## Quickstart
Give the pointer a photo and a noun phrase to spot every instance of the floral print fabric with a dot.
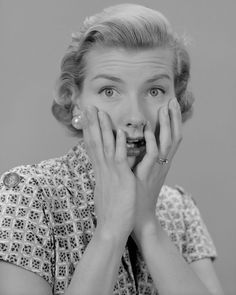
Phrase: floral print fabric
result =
(47, 219)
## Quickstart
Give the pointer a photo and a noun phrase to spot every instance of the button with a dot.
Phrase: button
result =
(11, 179)
(180, 189)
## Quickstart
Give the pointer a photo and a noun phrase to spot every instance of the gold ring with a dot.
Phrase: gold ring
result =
(162, 161)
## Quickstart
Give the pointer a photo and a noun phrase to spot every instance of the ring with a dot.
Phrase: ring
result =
(162, 161)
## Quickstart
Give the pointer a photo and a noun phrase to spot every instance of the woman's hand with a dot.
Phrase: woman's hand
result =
(115, 190)
(149, 173)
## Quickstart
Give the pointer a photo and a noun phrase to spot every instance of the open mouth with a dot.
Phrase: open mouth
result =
(135, 142)
(135, 146)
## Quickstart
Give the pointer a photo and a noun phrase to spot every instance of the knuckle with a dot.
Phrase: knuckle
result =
(154, 154)
(106, 149)
(108, 152)
(120, 159)
(168, 145)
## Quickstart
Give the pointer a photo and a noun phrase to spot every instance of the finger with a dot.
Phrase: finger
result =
(151, 155)
(92, 134)
(176, 123)
(165, 133)
(107, 134)
(121, 150)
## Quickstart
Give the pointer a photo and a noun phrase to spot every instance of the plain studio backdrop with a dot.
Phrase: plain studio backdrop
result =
(34, 36)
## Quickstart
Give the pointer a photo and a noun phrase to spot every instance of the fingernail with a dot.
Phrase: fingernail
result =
(148, 125)
(119, 132)
(100, 114)
(89, 109)
(85, 112)
(174, 103)
(165, 110)
(102, 119)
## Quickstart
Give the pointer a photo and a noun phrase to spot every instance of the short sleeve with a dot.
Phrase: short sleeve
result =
(25, 233)
(198, 242)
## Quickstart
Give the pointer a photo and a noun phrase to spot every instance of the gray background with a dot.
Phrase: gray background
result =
(34, 36)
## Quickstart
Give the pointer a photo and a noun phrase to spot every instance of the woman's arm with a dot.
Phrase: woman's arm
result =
(97, 271)
(170, 272)
(15, 280)
(114, 196)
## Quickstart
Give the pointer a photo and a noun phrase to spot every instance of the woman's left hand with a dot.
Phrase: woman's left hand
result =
(151, 174)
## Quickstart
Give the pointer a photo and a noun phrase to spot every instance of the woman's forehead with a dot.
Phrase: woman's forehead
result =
(103, 60)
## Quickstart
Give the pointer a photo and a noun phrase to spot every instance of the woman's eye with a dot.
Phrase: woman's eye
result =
(155, 91)
(108, 91)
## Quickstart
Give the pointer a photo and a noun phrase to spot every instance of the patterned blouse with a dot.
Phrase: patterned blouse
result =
(47, 219)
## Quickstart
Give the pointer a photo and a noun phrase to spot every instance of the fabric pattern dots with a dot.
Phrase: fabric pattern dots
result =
(47, 219)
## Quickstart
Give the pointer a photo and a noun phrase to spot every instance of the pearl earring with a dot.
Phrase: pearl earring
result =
(77, 119)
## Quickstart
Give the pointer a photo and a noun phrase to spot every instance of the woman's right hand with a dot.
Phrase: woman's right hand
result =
(115, 189)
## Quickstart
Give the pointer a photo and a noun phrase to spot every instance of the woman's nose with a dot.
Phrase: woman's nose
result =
(135, 123)
(135, 117)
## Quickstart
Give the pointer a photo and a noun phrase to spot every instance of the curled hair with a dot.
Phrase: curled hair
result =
(127, 26)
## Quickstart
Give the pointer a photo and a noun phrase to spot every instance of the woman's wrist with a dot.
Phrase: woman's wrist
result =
(147, 228)
(105, 235)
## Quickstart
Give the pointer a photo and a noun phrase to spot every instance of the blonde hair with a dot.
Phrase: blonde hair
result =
(129, 26)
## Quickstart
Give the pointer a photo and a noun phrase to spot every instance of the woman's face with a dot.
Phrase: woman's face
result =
(131, 86)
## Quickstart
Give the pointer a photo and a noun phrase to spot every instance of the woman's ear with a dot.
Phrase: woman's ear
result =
(75, 95)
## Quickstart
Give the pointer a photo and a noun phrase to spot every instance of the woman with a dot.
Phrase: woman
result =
(100, 220)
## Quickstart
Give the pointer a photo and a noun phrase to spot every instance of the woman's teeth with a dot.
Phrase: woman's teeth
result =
(135, 142)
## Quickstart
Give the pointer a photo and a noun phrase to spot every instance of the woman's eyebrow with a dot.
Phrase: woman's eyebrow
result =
(108, 77)
(158, 77)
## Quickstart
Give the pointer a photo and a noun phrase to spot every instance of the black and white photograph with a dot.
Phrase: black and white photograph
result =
(117, 150)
